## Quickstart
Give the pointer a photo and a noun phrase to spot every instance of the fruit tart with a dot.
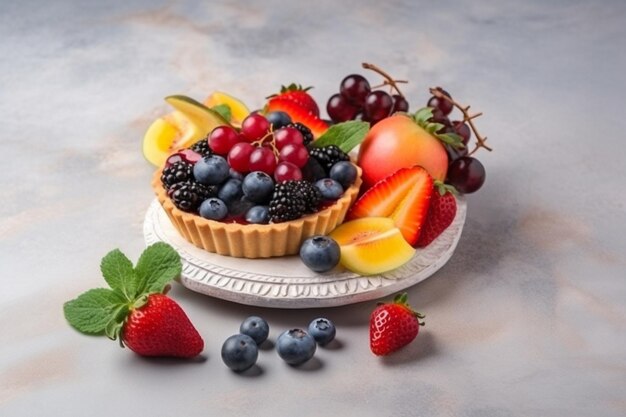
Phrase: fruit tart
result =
(258, 191)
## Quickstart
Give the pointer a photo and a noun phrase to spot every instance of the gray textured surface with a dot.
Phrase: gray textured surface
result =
(529, 316)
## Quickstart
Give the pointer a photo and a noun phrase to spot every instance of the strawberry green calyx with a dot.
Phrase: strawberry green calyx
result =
(290, 88)
(403, 300)
(423, 116)
(104, 311)
(443, 188)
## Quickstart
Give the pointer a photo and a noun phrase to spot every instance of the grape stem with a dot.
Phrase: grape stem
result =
(388, 78)
(271, 142)
(467, 118)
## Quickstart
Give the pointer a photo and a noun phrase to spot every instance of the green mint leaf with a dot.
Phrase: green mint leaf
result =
(118, 272)
(346, 135)
(158, 265)
(422, 115)
(93, 310)
(224, 111)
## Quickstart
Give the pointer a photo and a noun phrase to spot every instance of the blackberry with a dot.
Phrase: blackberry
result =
(328, 156)
(188, 196)
(178, 172)
(293, 199)
(202, 147)
(306, 132)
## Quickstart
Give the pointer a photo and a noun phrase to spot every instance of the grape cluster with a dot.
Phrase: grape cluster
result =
(465, 173)
(261, 146)
(357, 99)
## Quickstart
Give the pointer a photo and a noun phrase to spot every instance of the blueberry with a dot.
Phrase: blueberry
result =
(240, 207)
(211, 170)
(239, 352)
(235, 174)
(230, 191)
(256, 328)
(344, 173)
(258, 215)
(258, 187)
(278, 119)
(320, 253)
(329, 188)
(322, 330)
(213, 209)
(295, 346)
(313, 170)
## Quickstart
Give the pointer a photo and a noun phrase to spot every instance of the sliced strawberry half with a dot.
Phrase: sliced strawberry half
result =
(403, 196)
(441, 213)
(300, 96)
(298, 114)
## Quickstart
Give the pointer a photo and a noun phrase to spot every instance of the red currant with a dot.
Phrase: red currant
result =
(296, 154)
(288, 136)
(262, 159)
(239, 156)
(286, 171)
(254, 127)
(222, 139)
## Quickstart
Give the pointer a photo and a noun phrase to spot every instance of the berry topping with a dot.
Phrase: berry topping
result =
(293, 199)
(305, 131)
(258, 215)
(211, 170)
(189, 195)
(328, 156)
(222, 139)
(202, 147)
(213, 209)
(344, 173)
(278, 119)
(329, 188)
(175, 173)
(258, 187)
(254, 127)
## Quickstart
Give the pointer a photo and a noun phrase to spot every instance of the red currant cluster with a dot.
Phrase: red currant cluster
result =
(257, 147)
(465, 173)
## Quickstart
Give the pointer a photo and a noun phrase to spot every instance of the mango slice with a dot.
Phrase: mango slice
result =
(238, 109)
(372, 245)
(190, 122)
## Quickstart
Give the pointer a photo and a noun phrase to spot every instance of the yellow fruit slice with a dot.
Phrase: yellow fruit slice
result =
(179, 129)
(372, 245)
(238, 110)
(361, 229)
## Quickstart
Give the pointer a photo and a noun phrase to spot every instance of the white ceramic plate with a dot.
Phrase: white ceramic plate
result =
(285, 282)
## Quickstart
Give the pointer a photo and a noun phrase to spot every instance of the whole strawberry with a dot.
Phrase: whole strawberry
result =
(135, 309)
(393, 326)
(441, 213)
(298, 95)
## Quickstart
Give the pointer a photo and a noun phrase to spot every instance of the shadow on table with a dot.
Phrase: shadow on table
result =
(423, 347)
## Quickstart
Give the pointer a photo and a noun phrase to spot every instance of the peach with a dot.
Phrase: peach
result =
(372, 245)
(399, 142)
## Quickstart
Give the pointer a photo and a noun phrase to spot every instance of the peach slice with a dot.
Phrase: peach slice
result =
(372, 245)
(189, 123)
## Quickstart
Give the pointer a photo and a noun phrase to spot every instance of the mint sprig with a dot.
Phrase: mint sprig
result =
(104, 310)
(224, 111)
(423, 116)
(346, 135)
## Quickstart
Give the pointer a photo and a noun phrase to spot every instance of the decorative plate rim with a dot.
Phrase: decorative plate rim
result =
(215, 275)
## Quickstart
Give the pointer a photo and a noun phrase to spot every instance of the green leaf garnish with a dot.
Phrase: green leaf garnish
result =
(118, 272)
(104, 310)
(92, 311)
(422, 117)
(224, 111)
(346, 135)
(158, 265)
